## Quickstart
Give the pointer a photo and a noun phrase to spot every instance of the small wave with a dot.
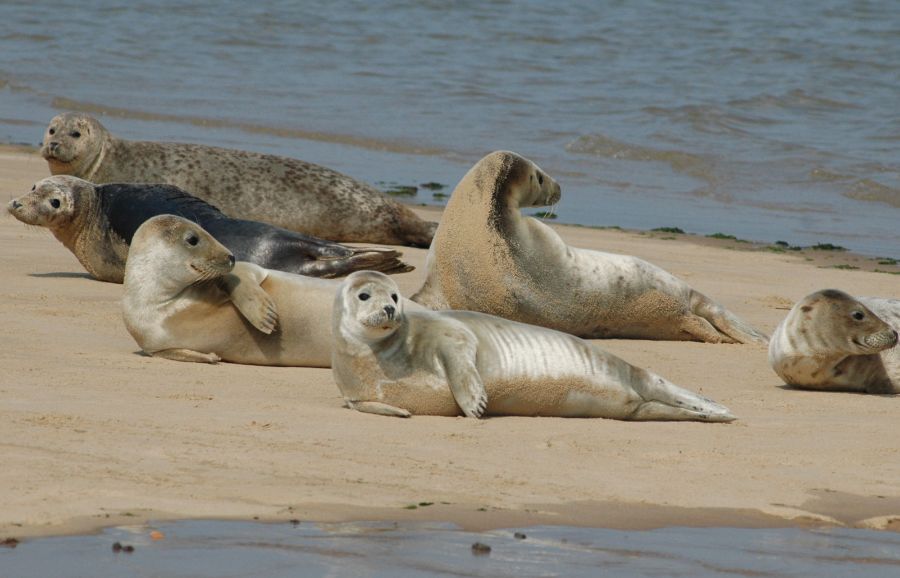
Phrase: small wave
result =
(795, 99)
(603, 146)
(870, 190)
(711, 119)
(252, 128)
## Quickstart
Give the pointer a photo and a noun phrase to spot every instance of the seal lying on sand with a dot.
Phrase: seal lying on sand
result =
(97, 223)
(392, 362)
(831, 341)
(287, 192)
(186, 299)
(487, 257)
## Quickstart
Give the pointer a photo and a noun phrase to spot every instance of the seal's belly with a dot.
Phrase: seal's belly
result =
(421, 393)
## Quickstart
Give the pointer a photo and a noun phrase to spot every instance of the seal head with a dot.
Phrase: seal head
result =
(371, 303)
(74, 144)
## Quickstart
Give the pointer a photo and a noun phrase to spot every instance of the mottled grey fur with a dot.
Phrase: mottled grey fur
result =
(287, 192)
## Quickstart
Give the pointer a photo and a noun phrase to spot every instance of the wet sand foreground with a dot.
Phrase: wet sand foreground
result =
(94, 434)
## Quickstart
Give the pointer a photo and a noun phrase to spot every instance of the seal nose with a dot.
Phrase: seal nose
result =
(390, 310)
(14, 204)
(231, 260)
(53, 145)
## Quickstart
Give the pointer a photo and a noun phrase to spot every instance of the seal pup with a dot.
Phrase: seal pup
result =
(391, 361)
(486, 256)
(287, 192)
(97, 223)
(831, 341)
(187, 299)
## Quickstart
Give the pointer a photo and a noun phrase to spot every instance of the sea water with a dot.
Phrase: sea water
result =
(768, 120)
(210, 549)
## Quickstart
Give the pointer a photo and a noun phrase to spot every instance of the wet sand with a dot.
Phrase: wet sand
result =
(93, 434)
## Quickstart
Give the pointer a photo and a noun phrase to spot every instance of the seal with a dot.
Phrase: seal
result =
(187, 299)
(832, 341)
(97, 223)
(486, 256)
(392, 361)
(287, 192)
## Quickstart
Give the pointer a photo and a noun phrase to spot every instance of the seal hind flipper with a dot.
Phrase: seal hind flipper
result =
(725, 321)
(663, 400)
(369, 259)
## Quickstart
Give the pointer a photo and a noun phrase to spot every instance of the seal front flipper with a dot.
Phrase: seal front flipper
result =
(377, 408)
(243, 287)
(187, 355)
(457, 356)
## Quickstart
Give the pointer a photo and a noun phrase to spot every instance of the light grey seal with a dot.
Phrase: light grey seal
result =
(831, 341)
(391, 361)
(186, 299)
(287, 192)
(486, 256)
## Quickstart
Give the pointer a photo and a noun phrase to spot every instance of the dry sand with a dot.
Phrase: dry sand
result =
(92, 433)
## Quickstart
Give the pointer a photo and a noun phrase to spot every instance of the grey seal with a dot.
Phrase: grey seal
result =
(287, 192)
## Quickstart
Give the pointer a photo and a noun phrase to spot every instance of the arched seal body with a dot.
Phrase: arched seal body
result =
(831, 341)
(487, 257)
(392, 361)
(97, 223)
(287, 192)
(186, 299)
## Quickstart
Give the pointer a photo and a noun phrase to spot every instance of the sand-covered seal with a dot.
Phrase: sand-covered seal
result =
(186, 299)
(287, 192)
(392, 361)
(97, 223)
(832, 341)
(486, 256)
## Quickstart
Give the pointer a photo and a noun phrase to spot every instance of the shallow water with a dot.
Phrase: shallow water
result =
(200, 549)
(769, 120)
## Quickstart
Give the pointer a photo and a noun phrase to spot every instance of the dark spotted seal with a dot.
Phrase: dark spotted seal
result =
(290, 193)
(97, 224)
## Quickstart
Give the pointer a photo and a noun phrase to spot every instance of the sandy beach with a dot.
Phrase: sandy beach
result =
(92, 433)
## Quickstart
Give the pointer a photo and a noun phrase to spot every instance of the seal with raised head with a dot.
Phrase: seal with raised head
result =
(392, 361)
(287, 192)
(187, 299)
(832, 341)
(486, 256)
(97, 223)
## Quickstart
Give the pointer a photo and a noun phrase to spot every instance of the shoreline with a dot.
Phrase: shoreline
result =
(90, 428)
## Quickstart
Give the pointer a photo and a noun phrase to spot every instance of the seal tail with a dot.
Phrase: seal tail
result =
(362, 258)
(725, 321)
(663, 400)
(420, 234)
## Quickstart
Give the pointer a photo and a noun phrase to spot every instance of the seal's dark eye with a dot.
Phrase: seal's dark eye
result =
(33, 187)
(363, 296)
(193, 240)
(859, 315)
(52, 131)
(54, 203)
(75, 134)
(394, 297)
(540, 179)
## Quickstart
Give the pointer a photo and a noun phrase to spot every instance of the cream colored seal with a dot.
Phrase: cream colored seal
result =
(486, 256)
(392, 361)
(186, 299)
(831, 341)
(287, 192)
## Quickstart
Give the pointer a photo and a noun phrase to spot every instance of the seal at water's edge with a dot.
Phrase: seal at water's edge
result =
(831, 341)
(486, 256)
(290, 193)
(97, 223)
(391, 361)
(186, 299)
